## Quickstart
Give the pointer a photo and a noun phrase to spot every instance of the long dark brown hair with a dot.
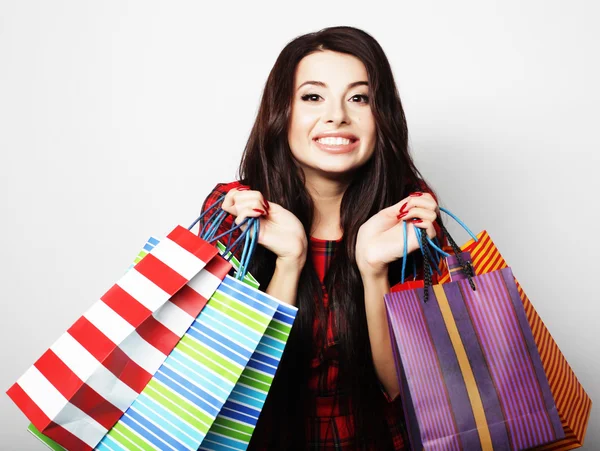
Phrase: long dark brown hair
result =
(389, 176)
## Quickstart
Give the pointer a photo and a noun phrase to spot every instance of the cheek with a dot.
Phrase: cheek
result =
(370, 135)
(301, 128)
(370, 126)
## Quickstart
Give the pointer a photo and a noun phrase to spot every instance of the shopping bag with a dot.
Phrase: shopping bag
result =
(572, 402)
(236, 421)
(80, 386)
(150, 243)
(45, 440)
(181, 402)
(470, 372)
(218, 267)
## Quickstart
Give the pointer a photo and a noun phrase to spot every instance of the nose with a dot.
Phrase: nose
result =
(336, 112)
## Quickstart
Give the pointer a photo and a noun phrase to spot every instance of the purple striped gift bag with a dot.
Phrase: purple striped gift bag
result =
(471, 375)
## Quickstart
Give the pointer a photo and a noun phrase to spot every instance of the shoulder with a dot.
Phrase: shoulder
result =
(226, 187)
(218, 191)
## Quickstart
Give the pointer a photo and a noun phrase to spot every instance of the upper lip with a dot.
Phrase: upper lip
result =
(336, 134)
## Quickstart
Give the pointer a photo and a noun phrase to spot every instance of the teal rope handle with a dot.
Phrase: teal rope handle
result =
(231, 247)
(214, 225)
(435, 247)
(211, 227)
(428, 253)
(405, 255)
(249, 246)
(425, 250)
(457, 219)
(244, 256)
(199, 218)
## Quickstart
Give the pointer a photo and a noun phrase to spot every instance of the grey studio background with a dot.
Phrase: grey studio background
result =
(117, 118)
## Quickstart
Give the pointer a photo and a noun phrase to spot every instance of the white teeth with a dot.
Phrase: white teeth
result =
(334, 141)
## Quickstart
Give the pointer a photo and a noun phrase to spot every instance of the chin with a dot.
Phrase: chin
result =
(335, 172)
(330, 168)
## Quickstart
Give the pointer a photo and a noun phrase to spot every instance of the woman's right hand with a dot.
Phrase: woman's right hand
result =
(280, 230)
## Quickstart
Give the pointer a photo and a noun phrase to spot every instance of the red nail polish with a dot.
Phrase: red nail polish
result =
(258, 211)
(268, 207)
(417, 221)
(243, 188)
(401, 215)
(403, 208)
(417, 194)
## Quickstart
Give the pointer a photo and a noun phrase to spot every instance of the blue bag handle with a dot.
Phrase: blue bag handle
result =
(404, 257)
(466, 266)
(249, 249)
(425, 243)
(212, 225)
(214, 222)
(199, 218)
(424, 250)
(457, 219)
(250, 243)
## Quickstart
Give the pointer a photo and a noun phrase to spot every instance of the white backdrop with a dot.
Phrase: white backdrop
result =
(117, 118)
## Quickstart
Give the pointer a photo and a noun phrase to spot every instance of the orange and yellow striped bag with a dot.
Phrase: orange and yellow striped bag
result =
(572, 402)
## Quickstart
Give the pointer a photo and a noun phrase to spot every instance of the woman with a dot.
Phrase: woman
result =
(328, 172)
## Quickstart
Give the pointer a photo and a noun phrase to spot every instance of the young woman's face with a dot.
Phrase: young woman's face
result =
(331, 98)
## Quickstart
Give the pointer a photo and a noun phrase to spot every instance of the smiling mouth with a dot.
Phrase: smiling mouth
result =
(337, 146)
(335, 141)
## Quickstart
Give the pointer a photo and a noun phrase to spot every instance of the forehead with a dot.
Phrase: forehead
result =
(333, 68)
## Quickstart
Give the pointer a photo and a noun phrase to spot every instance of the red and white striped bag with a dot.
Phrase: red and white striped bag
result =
(79, 388)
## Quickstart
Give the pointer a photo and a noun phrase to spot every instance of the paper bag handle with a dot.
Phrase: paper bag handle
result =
(424, 241)
(212, 225)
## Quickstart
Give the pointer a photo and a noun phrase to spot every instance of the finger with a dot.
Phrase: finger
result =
(250, 209)
(427, 225)
(247, 214)
(252, 198)
(418, 213)
(420, 194)
(238, 198)
(229, 202)
(423, 201)
(255, 205)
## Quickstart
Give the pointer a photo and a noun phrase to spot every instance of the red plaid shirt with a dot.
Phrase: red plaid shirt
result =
(327, 427)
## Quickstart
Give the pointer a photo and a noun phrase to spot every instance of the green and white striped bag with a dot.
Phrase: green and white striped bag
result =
(182, 400)
(211, 388)
(237, 419)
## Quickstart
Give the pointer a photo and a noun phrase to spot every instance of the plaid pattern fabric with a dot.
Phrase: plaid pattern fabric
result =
(331, 421)
(330, 427)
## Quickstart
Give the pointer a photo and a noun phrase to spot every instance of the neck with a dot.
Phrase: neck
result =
(327, 198)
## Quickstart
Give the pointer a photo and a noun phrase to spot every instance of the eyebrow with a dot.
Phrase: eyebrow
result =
(324, 85)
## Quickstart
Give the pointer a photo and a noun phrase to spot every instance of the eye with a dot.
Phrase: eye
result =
(363, 96)
(305, 97)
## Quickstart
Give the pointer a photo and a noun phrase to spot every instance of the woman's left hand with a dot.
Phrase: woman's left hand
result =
(380, 240)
